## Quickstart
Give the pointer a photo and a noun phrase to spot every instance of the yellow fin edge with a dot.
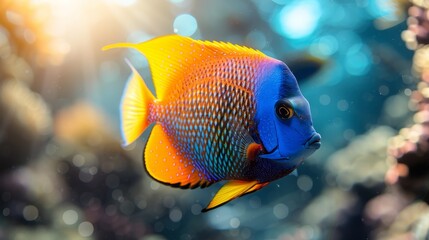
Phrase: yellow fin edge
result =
(232, 190)
(119, 45)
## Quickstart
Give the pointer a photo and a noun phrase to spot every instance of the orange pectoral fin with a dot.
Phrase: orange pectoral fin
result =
(253, 150)
(167, 165)
(232, 190)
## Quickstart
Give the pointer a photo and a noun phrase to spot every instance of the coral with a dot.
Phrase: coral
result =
(410, 223)
(342, 165)
(25, 123)
(89, 132)
(409, 150)
(355, 175)
(381, 211)
(29, 27)
(98, 172)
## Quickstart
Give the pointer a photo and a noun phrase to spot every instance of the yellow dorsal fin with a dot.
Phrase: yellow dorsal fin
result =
(226, 48)
(232, 190)
(172, 57)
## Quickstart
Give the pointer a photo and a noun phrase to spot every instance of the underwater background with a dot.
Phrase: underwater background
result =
(363, 65)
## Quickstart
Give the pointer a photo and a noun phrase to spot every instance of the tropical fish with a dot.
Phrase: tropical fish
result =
(220, 112)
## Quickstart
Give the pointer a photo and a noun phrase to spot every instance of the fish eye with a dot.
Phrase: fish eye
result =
(284, 109)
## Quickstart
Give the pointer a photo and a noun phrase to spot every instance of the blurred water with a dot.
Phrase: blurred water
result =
(64, 174)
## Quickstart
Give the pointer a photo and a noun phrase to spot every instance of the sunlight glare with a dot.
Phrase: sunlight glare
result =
(300, 19)
(124, 3)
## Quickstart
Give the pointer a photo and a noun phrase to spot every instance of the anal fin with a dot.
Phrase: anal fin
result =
(256, 188)
(232, 190)
(167, 165)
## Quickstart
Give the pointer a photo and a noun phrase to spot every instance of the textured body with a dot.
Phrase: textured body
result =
(221, 112)
(210, 107)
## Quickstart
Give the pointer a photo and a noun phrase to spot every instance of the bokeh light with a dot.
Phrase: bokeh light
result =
(382, 9)
(357, 60)
(185, 25)
(70, 217)
(30, 213)
(281, 211)
(298, 19)
(124, 3)
(324, 46)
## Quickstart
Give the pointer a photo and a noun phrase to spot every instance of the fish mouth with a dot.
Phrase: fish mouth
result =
(314, 142)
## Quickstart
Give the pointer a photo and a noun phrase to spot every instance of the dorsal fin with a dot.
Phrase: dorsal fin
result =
(226, 48)
(172, 57)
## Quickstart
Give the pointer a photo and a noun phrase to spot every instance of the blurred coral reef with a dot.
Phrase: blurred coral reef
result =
(27, 26)
(388, 197)
(24, 40)
(409, 150)
(340, 210)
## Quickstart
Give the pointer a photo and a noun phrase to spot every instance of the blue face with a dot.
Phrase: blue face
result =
(283, 118)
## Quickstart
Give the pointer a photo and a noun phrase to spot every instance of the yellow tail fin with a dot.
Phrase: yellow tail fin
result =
(134, 107)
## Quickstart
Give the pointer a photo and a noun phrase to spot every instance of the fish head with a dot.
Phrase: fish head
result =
(283, 118)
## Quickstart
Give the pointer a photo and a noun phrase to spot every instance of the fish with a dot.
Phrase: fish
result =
(219, 112)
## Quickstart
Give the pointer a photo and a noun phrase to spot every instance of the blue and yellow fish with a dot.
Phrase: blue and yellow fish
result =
(220, 112)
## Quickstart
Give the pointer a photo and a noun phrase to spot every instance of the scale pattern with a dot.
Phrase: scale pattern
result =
(209, 116)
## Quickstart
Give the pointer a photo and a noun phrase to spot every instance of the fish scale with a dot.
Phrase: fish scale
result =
(225, 99)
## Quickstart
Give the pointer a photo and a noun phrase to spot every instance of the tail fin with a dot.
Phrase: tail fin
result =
(134, 107)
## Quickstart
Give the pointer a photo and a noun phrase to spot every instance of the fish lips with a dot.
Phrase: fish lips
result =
(314, 142)
(311, 145)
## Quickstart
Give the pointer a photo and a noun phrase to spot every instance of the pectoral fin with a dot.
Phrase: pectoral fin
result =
(232, 190)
